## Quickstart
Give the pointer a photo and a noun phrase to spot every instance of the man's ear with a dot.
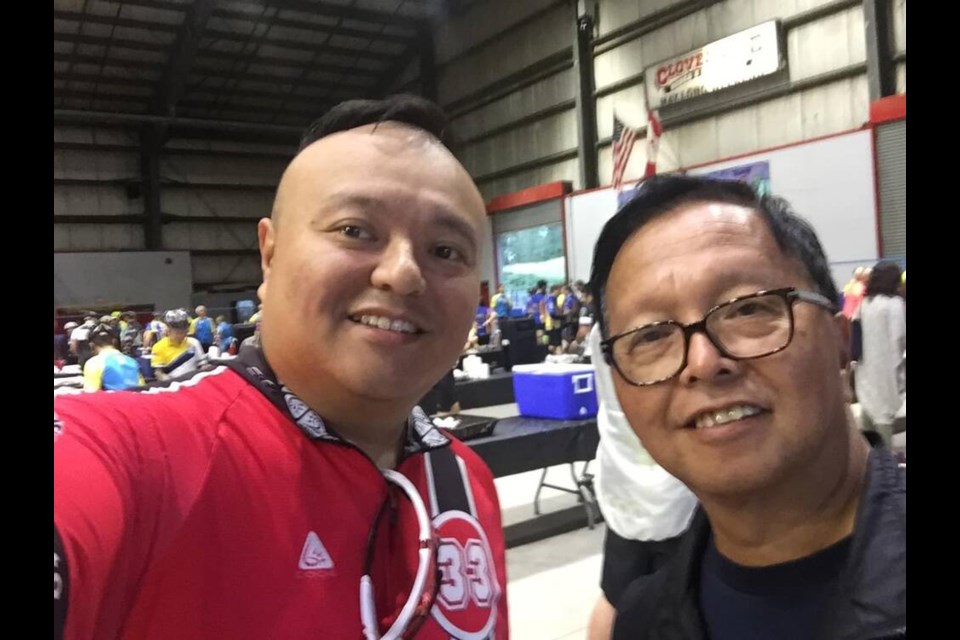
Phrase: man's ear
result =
(266, 236)
(843, 330)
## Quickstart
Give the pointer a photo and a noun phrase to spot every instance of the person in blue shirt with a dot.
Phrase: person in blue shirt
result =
(224, 334)
(535, 303)
(202, 328)
(483, 321)
(109, 369)
(501, 303)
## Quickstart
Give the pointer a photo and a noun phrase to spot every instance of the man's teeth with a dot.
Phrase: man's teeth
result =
(723, 416)
(387, 324)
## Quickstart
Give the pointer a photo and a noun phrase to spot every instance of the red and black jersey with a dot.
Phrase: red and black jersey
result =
(212, 509)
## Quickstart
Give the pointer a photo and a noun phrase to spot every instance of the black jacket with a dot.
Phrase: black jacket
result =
(665, 606)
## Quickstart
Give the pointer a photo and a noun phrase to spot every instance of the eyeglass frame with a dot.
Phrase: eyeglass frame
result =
(789, 295)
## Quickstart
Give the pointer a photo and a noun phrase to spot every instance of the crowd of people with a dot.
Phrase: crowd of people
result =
(109, 349)
(562, 315)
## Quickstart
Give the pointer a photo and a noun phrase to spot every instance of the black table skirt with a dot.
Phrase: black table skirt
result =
(521, 444)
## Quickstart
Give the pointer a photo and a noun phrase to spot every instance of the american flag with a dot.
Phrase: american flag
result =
(654, 130)
(623, 139)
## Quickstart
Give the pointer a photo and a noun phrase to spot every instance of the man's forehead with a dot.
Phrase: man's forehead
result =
(698, 225)
(692, 234)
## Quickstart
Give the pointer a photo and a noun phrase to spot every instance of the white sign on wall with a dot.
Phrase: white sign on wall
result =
(746, 55)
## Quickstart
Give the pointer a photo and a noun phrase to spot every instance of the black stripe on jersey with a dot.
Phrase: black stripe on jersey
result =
(449, 483)
(61, 586)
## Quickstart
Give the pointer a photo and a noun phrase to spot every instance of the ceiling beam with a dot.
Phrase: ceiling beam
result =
(270, 133)
(96, 78)
(136, 45)
(142, 65)
(347, 13)
(97, 95)
(174, 151)
(167, 184)
(302, 46)
(207, 72)
(77, 16)
(256, 58)
(165, 5)
(230, 12)
(424, 43)
(171, 87)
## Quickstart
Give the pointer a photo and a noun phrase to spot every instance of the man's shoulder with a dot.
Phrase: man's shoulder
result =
(201, 397)
(474, 463)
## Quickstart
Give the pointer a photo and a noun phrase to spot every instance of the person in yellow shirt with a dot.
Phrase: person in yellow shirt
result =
(176, 354)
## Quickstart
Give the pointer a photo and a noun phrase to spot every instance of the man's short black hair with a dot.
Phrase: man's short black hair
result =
(408, 109)
(662, 193)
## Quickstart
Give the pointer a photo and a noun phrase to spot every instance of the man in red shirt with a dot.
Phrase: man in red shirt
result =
(296, 491)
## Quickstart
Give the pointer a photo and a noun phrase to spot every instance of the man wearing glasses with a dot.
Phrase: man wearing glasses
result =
(718, 317)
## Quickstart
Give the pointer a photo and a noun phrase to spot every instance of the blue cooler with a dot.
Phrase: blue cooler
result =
(558, 391)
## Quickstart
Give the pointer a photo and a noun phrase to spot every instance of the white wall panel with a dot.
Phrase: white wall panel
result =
(161, 278)
(615, 14)
(630, 105)
(731, 16)
(830, 182)
(226, 169)
(95, 165)
(830, 43)
(737, 132)
(543, 94)
(835, 107)
(84, 200)
(548, 34)
(779, 121)
(566, 170)
(544, 137)
(208, 202)
(900, 25)
(482, 20)
(122, 236)
(615, 65)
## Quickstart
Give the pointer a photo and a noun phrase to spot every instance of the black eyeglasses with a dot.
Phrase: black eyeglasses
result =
(747, 327)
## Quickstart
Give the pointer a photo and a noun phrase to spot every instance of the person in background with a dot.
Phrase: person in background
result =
(131, 335)
(109, 369)
(154, 331)
(61, 345)
(553, 318)
(484, 321)
(80, 339)
(535, 304)
(645, 508)
(224, 336)
(501, 303)
(176, 354)
(881, 374)
(570, 313)
(202, 328)
(854, 291)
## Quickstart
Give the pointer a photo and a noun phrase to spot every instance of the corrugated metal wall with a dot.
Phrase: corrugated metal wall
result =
(512, 96)
(892, 187)
(505, 74)
(212, 193)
